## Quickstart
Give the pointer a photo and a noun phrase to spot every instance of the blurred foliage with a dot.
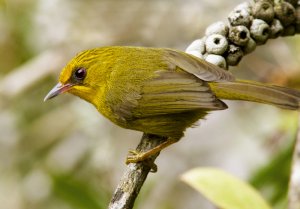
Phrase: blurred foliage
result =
(79, 194)
(63, 154)
(223, 189)
(16, 27)
(273, 178)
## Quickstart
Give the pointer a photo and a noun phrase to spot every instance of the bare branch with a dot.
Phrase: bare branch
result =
(135, 175)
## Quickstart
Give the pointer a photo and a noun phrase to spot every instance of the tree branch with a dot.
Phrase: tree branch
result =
(135, 175)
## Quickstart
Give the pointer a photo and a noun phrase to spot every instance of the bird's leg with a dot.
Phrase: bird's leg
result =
(135, 156)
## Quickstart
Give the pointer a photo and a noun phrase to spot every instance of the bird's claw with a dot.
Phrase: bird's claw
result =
(135, 157)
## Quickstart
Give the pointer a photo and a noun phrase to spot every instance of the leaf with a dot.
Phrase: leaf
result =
(224, 190)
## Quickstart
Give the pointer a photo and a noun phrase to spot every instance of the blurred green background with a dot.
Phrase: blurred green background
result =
(62, 154)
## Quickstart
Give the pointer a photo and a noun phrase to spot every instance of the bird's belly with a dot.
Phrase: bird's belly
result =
(170, 125)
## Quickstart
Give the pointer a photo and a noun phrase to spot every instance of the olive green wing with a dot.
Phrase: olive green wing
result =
(169, 92)
(196, 66)
(178, 87)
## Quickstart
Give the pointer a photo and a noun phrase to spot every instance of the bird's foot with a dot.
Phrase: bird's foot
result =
(134, 157)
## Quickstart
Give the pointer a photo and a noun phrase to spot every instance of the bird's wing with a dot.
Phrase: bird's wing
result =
(198, 67)
(169, 92)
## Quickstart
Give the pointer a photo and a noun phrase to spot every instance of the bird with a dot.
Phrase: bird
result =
(159, 91)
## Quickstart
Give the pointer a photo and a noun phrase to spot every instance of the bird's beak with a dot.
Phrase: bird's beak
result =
(57, 90)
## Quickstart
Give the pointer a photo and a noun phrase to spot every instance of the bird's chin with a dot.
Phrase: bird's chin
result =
(83, 92)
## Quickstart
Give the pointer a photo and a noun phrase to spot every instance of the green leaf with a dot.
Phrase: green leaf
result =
(224, 190)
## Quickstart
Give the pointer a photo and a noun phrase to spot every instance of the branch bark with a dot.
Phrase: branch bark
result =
(135, 175)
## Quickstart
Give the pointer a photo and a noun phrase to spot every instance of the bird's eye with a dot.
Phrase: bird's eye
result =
(80, 73)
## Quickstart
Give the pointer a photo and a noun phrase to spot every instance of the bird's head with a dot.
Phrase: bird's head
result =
(81, 77)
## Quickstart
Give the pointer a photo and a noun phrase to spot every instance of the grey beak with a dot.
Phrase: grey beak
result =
(57, 90)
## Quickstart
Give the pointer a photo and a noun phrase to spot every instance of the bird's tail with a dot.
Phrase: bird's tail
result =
(282, 97)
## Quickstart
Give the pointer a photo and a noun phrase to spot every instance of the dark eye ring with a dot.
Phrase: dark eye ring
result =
(80, 73)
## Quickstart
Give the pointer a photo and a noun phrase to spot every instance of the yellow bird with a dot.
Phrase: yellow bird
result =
(159, 91)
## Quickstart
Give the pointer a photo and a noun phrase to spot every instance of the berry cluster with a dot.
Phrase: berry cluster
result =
(249, 24)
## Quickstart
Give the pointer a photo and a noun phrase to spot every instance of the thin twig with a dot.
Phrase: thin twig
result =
(135, 175)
